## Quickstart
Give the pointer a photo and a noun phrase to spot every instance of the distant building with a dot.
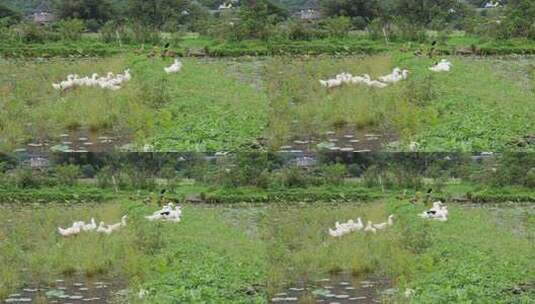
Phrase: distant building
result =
(43, 17)
(43, 13)
(308, 14)
(492, 4)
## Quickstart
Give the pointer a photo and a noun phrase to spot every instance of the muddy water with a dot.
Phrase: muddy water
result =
(339, 288)
(82, 140)
(347, 139)
(513, 216)
(70, 290)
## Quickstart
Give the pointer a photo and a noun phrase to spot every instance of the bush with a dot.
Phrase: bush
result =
(338, 27)
(70, 29)
(155, 91)
(26, 178)
(298, 30)
(334, 174)
(92, 25)
(293, 176)
(136, 178)
(30, 32)
(68, 174)
(530, 178)
(105, 177)
(88, 171)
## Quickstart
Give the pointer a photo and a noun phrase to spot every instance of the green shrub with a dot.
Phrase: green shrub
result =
(70, 29)
(530, 178)
(334, 174)
(26, 178)
(338, 27)
(67, 174)
(155, 91)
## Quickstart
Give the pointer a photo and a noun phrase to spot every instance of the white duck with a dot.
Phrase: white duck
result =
(370, 227)
(103, 228)
(393, 77)
(174, 215)
(382, 226)
(355, 226)
(117, 226)
(359, 79)
(174, 68)
(335, 233)
(91, 226)
(442, 66)
(390, 220)
(73, 230)
(127, 75)
(375, 83)
(438, 212)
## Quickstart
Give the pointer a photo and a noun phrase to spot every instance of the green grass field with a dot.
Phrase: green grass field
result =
(202, 108)
(205, 258)
(483, 104)
(248, 254)
(446, 262)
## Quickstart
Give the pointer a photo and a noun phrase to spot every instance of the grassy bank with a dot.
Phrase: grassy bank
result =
(443, 262)
(213, 194)
(214, 105)
(190, 261)
(455, 111)
(195, 45)
(202, 108)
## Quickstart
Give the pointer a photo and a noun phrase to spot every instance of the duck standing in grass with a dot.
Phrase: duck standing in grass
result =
(370, 227)
(71, 231)
(174, 68)
(91, 226)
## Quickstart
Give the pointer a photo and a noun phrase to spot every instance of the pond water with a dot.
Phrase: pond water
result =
(339, 288)
(347, 139)
(80, 140)
(74, 290)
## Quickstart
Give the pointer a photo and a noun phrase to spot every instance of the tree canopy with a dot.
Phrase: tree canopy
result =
(100, 10)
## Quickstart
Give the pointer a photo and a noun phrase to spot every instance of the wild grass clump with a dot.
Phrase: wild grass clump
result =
(301, 107)
(447, 260)
(191, 261)
(208, 108)
(457, 111)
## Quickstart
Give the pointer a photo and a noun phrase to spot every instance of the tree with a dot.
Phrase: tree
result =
(425, 12)
(257, 15)
(338, 26)
(367, 9)
(520, 19)
(156, 13)
(9, 14)
(100, 10)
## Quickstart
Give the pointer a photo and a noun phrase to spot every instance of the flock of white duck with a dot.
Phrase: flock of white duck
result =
(114, 82)
(438, 212)
(174, 68)
(109, 82)
(383, 81)
(443, 66)
(80, 226)
(168, 213)
(351, 226)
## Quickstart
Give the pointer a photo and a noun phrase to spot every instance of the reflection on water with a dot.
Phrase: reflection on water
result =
(75, 290)
(81, 140)
(347, 139)
(336, 288)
